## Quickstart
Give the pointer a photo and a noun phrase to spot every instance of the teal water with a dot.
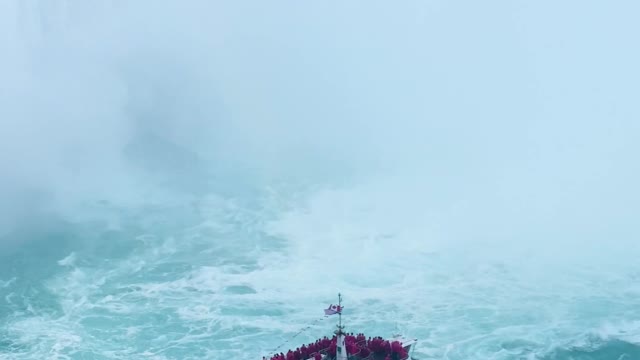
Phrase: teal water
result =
(217, 278)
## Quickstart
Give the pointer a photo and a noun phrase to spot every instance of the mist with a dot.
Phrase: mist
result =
(499, 122)
(197, 179)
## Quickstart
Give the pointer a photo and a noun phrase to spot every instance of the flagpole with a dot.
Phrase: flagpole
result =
(341, 349)
(340, 311)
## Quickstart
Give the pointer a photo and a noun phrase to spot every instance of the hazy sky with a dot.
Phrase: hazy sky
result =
(522, 114)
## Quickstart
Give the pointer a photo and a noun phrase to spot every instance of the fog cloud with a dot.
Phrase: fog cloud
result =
(513, 119)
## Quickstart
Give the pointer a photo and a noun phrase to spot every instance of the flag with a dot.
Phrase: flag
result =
(333, 309)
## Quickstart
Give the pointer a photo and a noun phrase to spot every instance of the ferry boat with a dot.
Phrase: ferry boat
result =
(349, 346)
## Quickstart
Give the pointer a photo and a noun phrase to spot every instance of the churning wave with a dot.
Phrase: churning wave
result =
(233, 278)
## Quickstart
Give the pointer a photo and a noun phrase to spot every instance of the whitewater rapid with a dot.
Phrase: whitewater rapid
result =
(235, 278)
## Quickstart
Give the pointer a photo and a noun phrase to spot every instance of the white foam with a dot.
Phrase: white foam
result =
(397, 274)
(69, 260)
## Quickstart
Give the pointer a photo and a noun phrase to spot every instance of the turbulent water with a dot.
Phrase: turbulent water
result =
(199, 180)
(218, 278)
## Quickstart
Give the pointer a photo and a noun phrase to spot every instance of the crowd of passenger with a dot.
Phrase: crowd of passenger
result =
(357, 346)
